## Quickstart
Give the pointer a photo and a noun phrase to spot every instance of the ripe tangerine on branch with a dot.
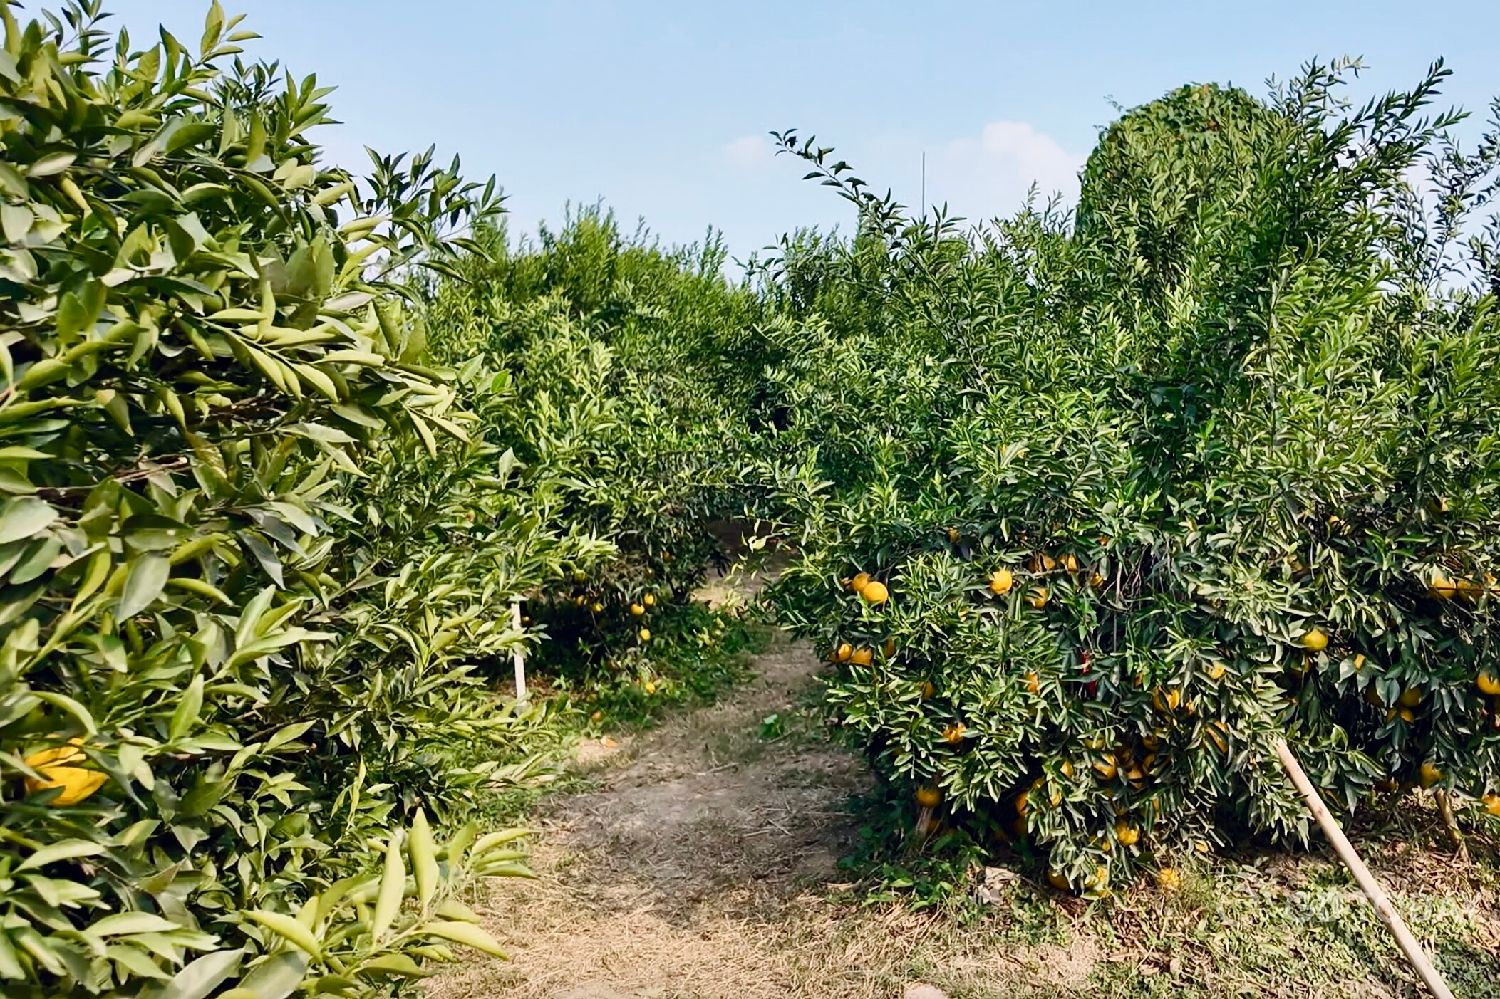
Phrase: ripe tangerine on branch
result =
(875, 593)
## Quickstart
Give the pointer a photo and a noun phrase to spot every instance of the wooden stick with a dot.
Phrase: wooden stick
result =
(1387, 912)
(517, 657)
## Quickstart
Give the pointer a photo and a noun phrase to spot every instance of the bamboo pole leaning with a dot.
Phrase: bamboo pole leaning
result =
(1409, 944)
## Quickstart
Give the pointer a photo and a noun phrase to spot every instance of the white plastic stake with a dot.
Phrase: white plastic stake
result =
(517, 657)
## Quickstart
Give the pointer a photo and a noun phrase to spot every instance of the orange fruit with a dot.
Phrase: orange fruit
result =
(1410, 698)
(1106, 768)
(954, 733)
(645, 634)
(953, 535)
(1428, 774)
(862, 656)
(1038, 597)
(928, 690)
(76, 783)
(843, 653)
(929, 796)
(1001, 580)
(859, 582)
(649, 600)
(1442, 587)
(1070, 563)
(1217, 670)
(1315, 640)
(1488, 683)
(875, 593)
(889, 648)
(1127, 834)
(597, 607)
(1033, 683)
(637, 610)
(1359, 662)
(1491, 804)
(650, 686)
(1407, 715)
(1096, 580)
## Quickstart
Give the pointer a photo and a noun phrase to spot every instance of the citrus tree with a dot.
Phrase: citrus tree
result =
(627, 421)
(233, 661)
(1095, 513)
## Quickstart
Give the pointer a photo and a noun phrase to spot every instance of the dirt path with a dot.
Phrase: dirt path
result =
(683, 872)
(701, 864)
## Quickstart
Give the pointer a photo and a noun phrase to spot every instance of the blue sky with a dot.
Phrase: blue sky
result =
(661, 109)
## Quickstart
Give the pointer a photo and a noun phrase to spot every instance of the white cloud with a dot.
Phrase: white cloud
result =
(748, 152)
(989, 175)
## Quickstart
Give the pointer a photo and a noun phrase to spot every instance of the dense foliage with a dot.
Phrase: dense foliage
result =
(1140, 495)
(263, 520)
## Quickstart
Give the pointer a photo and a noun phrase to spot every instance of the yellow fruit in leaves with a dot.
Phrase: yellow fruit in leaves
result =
(1096, 580)
(650, 686)
(1488, 683)
(1217, 670)
(1038, 597)
(1315, 640)
(954, 733)
(1106, 768)
(929, 796)
(1428, 774)
(1407, 715)
(875, 593)
(859, 582)
(953, 535)
(1442, 587)
(1042, 563)
(1001, 582)
(649, 600)
(1491, 804)
(843, 653)
(1127, 834)
(928, 690)
(1033, 683)
(76, 783)
(889, 648)
(597, 607)
(1218, 734)
(1359, 662)
(862, 656)
(1070, 563)
(1169, 699)
(1167, 879)
(1066, 768)
(637, 610)
(1410, 698)
(645, 634)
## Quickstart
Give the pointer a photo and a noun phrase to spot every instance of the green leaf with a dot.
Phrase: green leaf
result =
(423, 858)
(25, 517)
(68, 849)
(127, 923)
(287, 927)
(467, 934)
(200, 977)
(392, 888)
(143, 584)
(186, 714)
(276, 976)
